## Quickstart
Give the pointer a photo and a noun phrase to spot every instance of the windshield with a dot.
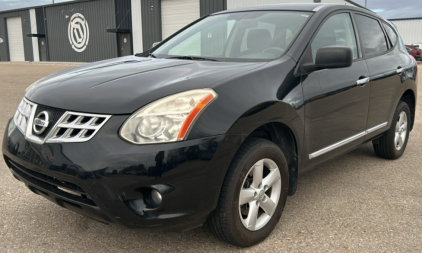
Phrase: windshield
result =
(241, 36)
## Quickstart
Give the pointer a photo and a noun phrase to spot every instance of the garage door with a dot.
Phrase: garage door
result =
(15, 39)
(176, 14)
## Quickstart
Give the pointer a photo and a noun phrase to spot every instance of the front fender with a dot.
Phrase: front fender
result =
(272, 112)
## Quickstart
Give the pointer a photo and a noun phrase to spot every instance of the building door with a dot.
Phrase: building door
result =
(15, 39)
(175, 14)
(125, 45)
(42, 48)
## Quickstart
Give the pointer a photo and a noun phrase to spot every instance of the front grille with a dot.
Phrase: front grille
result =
(55, 115)
(50, 184)
(63, 126)
(77, 127)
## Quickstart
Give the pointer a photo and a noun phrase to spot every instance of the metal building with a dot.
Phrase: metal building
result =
(78, 31)
(410, 29)
(92, 30)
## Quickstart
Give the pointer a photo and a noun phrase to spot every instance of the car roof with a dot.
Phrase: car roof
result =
(281, 6)
(314, 7)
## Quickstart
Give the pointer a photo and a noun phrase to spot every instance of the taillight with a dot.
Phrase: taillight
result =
(416, 52)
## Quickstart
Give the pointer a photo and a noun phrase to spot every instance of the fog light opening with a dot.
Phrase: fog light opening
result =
(153, 199)
(156, 197)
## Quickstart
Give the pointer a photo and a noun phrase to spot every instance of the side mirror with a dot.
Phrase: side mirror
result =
(156, 43)
(333, 57)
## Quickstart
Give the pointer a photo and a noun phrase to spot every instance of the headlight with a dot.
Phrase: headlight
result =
(168, 119)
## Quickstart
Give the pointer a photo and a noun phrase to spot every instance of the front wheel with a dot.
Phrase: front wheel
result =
(253, 194)
(393, 143)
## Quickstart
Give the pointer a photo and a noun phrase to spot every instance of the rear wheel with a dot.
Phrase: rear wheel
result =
(393, 143)
(253, 194)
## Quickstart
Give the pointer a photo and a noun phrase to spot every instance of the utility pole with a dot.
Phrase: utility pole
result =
(365, 2)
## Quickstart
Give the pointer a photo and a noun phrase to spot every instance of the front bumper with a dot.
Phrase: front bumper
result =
(102, 177)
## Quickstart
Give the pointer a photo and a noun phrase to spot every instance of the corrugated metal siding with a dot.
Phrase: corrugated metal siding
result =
(123, 14)
(151, 23)
(176, 14)
(26, 28)
(39, 13)
(137, 26)
(210, 6)
(100, 16)
(410, 30)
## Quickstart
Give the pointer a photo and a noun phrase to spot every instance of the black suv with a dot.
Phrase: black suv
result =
(216, 122)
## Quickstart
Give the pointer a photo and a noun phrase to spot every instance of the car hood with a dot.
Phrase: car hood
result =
(123, 85)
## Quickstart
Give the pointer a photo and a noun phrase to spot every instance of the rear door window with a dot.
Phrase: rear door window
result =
(373, 37)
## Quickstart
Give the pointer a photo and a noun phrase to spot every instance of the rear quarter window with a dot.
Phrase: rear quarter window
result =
(391, 34)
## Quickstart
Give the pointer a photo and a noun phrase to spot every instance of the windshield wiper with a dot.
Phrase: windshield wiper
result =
(195, 58)
(148, 55)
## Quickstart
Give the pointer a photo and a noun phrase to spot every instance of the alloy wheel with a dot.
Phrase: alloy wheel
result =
(259, 194)
(401, 131)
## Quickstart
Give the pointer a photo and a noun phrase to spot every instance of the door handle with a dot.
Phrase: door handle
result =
(399, 70)
(363, 81)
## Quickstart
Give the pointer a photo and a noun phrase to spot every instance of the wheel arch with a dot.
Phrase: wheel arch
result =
(410, 99)
(283, 136)
(285, 130)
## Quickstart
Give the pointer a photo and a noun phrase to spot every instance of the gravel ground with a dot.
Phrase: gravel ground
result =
(355, 203)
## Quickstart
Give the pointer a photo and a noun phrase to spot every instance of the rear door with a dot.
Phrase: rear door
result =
(385, 67)
(336, 103)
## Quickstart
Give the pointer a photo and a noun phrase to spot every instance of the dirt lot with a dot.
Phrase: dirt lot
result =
(358, 203)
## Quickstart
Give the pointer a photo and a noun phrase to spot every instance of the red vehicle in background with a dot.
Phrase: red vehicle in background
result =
(414, 51)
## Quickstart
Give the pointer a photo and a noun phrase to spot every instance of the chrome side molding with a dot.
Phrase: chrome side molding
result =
(375, 128)
(345, 141)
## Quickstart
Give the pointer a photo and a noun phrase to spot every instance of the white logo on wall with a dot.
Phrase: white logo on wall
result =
(78, 32)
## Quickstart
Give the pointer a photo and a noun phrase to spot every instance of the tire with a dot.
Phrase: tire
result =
(388, 146)
(228, 219)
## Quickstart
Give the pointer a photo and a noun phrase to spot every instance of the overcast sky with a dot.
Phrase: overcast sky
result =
(394, 8)
(16, 4)
(385, 8)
